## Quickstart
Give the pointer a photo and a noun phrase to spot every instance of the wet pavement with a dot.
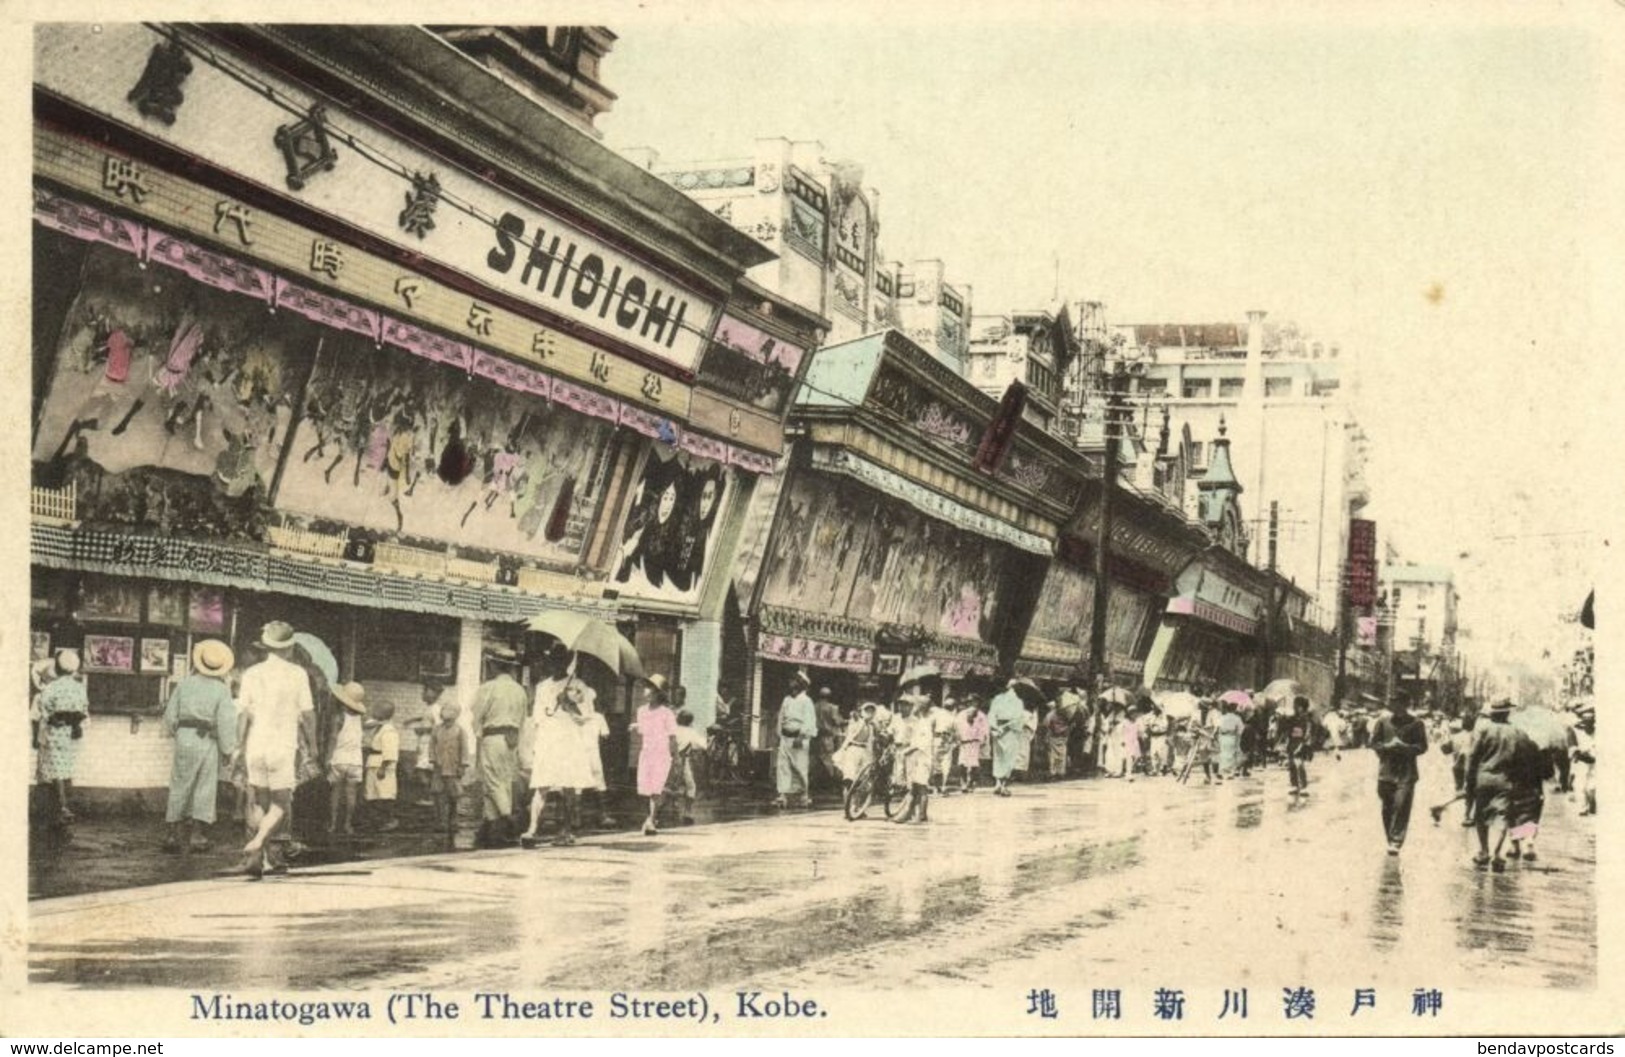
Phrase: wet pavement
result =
(1115, 882)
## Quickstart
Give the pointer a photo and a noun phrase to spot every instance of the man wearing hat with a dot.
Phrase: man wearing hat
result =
(202, 719)
(499, 712)
(1585, 754)
(345, 764)
(798, 724)
(276, 728)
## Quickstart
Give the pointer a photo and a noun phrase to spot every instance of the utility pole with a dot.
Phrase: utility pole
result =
(1116, 380)
(1269, 603)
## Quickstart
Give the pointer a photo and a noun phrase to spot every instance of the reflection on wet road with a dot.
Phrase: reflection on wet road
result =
(1110, 881)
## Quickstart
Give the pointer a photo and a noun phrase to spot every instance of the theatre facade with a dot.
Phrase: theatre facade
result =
(347, 331)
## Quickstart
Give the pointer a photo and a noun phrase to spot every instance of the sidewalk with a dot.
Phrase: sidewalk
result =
(117, 849)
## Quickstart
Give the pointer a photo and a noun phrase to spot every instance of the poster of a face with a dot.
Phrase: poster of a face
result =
(671, 528)
(178, 394)
(403, 445)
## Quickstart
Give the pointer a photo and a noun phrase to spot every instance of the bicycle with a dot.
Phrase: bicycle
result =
(875, 779)
(725, 751)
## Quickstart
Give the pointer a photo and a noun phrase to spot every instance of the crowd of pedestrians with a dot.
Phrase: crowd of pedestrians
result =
(258, 735)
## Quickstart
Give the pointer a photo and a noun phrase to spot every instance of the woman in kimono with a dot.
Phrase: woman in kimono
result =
(1029, 731)
(972, 734)
(1128, 733)
(63, 707)
(1229, 738)
(1007, 718)
(798, 725)
(1111, 740)
(202, 719)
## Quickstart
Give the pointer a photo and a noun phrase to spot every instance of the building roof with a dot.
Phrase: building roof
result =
(1418, 574)
(1198, 335)
(839, 375)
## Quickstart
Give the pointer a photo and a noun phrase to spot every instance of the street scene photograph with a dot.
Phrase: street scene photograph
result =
(1049, 521)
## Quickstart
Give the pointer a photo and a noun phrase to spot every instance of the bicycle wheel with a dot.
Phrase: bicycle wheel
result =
(897, 799)
(860, 795)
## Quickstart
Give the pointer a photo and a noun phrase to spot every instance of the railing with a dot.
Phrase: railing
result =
(303, 541)
(55, 504)
(410, 560)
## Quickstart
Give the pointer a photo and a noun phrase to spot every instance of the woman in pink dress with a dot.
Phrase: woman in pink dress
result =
(657, 726)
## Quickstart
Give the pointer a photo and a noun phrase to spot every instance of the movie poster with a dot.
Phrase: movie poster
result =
(820, 541)
(415, 448)
(169, 401)
(671, 530)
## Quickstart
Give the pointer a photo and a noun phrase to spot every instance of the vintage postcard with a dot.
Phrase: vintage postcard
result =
(1049, 519)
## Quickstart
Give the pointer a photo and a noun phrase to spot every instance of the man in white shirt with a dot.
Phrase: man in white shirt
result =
(277, 731)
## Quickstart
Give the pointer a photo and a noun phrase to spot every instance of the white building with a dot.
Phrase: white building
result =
(823, 223)
(1422, 602)
(1032, 347)
(1287, 402)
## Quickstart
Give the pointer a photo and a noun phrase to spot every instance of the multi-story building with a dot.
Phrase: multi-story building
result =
(1287, 402)
(1032, 347)
(823, 223)
(1420, 614)
(347, 330)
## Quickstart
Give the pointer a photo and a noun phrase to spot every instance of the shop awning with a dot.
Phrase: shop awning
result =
(204, 562)
(933, 504)
(1185, 605)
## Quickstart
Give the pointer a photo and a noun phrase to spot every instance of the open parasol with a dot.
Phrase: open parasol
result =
(580, 633)
(319, 655)
(1115, 695)
(1544, 727)
(919, 672)
(1240, 698)
(1177, 704)
(1028, 691)
(1281, 692)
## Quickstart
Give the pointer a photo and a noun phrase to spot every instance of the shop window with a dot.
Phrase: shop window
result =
(1197, 388)
(133, 637)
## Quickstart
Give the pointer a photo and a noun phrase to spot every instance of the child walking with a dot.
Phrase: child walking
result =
(383, 755)
(448, 751)
(344, 765)
(690, 747)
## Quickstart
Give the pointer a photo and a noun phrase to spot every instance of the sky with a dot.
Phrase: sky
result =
(1423, 190)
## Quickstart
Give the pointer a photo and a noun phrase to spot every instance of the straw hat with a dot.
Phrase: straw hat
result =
(352, 696)
(67, 661)
(277, 635)
(213, 657)
(801, 677)
(1502, 706)
(658, 683)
